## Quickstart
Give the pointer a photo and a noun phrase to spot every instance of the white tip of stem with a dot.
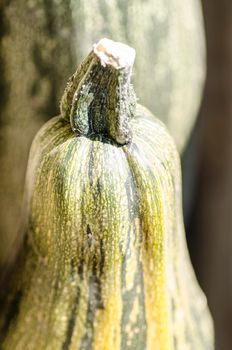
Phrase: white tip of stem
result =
(114, 53)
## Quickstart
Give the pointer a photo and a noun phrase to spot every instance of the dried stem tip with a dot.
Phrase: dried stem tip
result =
(113, 53)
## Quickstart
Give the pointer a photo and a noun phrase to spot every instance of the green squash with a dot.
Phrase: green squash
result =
(104, 264)
(37, 41)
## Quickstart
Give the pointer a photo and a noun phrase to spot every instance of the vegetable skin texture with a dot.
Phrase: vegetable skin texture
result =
(104, 263)
(37, 55)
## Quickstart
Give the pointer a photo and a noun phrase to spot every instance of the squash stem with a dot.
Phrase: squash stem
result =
(99, 98)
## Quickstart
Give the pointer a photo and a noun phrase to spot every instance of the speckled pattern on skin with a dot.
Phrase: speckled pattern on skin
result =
(105, 266)
(42, 41)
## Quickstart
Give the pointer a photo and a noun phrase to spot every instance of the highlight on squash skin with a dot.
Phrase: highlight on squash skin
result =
(105, 264)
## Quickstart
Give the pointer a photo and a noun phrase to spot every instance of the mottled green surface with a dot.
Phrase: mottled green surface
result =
(40, 41)
(33, 36)
(105, 263)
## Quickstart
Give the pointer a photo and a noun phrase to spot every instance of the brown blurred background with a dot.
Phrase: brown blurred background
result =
(208, 162)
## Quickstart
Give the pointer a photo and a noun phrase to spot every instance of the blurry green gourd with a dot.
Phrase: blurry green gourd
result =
(104, 264)
(168, 35)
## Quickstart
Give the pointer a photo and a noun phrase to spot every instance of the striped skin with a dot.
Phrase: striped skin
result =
(106, 264)
(40, 44)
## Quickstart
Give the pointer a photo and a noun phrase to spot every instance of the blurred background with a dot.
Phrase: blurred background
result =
(209, 153)
(41, 43)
